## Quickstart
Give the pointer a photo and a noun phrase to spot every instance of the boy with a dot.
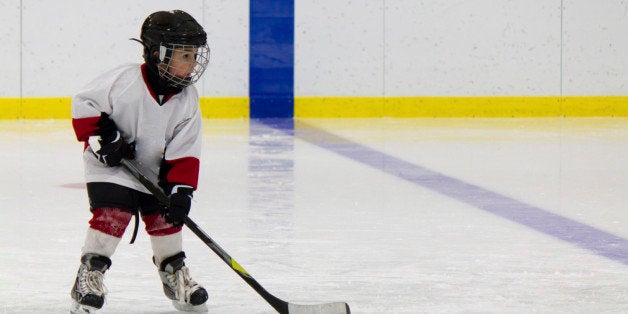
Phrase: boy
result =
(148, 113)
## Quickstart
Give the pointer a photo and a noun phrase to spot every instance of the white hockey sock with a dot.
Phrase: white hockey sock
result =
(100, 243)
(166, 246)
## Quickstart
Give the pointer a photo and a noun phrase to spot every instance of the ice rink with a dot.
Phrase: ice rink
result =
(389, 215)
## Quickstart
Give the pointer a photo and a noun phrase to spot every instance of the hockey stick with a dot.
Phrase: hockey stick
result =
(280, 305)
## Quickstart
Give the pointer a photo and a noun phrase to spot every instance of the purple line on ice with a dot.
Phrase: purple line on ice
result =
(571, 231)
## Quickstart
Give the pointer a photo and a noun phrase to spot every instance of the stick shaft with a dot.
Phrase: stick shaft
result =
(278, 304)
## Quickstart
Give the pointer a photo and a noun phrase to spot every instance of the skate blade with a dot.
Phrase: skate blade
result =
(201, 308)
(77, 308)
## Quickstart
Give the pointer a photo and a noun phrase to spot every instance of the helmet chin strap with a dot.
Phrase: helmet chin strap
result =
(159, 84)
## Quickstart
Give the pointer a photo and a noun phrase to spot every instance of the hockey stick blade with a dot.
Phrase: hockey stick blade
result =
(326, 308)
(279, 305)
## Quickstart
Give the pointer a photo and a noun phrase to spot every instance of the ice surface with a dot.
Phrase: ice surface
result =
(314, 220)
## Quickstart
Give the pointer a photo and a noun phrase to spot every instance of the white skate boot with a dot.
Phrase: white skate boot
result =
(185, 293)
(88, 293)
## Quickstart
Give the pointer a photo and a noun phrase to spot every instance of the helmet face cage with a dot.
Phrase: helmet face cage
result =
(180, 69)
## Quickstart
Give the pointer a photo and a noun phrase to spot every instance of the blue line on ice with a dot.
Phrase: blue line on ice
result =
(563, 228)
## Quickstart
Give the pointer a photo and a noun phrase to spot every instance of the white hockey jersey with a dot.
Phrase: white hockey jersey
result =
(163, 129)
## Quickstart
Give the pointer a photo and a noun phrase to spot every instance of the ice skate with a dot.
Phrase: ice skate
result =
(185, 293)
(88, 293)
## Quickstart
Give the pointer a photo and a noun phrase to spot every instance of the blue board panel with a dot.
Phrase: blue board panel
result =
(271, 55)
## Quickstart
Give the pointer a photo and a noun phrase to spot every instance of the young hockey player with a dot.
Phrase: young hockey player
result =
(147, 112)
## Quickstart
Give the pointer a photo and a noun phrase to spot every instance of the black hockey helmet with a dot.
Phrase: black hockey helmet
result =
(165, 31)
(171, 27)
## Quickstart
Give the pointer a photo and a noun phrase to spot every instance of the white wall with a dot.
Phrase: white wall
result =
(473, 48)
(9, 49)
(463, 47)
(228, 34)
(66, 43)
(342, 47)
(338, 47)
(596, 47)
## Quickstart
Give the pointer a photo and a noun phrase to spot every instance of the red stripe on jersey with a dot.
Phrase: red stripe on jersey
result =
(183, 171)
(150, 89)
(168, 97)
(156, 225)
(85, 127)
(111, 221)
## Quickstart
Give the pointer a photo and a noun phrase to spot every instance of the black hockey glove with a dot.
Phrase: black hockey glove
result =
(108, 144)
(180, 203)
(112, 150)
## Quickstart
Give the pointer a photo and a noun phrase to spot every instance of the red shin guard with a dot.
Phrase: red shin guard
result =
(109, 220)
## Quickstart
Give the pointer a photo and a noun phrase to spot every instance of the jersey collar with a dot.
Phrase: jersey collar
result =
(160, 94)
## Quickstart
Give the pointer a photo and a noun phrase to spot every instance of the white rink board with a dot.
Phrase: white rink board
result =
(341, 48)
